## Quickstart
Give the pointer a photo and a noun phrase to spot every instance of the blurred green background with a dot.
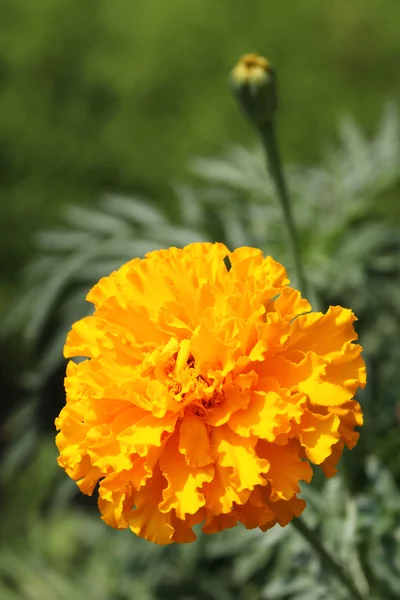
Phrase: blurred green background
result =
(101, 97)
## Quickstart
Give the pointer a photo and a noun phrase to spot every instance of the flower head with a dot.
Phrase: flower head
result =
(206, 393)
(253, 83)
(251, 68)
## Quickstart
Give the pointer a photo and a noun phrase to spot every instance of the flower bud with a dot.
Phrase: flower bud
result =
(254, 85)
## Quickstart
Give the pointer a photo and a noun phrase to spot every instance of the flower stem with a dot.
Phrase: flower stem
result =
(268, 138)
(330, 562)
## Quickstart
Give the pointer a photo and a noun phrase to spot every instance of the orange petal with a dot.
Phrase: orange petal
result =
(146, 519)
(262, 417)
(324, 334)
(289, 373)
(183, 533)
(144, 433)
(238, 453)
(209, 351)
(256, 514)
(350, 416)
(116, 499)
(286, 468)
(194, 442)
(217, 523)
(182, 493)
(347, 369)
(235, 399)
(285, 510)
(325, 393)
(220, 495)
(329, 465)
(87, 338)
(274, 332)
(290, 304)
(318, 434)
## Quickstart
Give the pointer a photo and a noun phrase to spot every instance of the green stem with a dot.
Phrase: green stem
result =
(268, 138)
(334, 566)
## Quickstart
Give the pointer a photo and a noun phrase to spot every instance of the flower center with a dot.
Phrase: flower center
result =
(197, 392)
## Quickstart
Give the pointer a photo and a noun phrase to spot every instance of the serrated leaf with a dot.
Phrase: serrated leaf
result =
(137, 210)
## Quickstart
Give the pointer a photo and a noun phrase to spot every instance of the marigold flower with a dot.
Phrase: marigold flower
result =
(206, 393)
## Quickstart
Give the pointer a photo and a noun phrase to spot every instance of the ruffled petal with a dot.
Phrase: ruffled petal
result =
(184, 482)
(318, 434)
(116, 499)
(146, 519)
(234, 400)
(220, 494)
(286, 468)
(194, 442)
(216, 523)
(147, 431)
(290, 304)
(262, 418)
(87, 338)
(238, 453)
(325, 393)
(324, 334)
(256, 513)
(329, 465)
(285, 510)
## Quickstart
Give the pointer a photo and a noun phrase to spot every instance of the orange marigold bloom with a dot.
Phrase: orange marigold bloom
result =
(206, 394)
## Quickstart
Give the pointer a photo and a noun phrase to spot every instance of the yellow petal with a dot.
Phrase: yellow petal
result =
(329, 465)
(194, 441)
(105, 453)
(145, 432)
(262, 417)
(146, 519)
(350, 416)
(290, 304)
(289, 373)
(175, 320)
(235, 399)
(220, 494)
(259, 274)
(116, 499)
(134, 319)
(184, 482)
(89, 477)
(107, 287)
(324, 393)
(238, 453)
(347, 369)
(286, 468)
(209, 351)
(274, 332)
(324, 334)
(318, 434)
(87, 338)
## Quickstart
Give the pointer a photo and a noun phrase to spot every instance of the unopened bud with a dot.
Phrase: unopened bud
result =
(253, 83)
